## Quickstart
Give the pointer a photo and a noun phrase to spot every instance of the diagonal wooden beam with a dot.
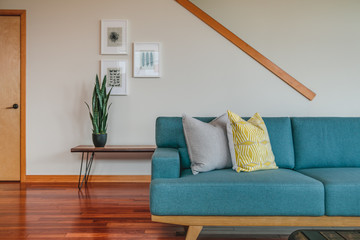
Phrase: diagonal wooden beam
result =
(272, 67)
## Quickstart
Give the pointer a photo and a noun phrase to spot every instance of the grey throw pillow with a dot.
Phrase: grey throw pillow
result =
(207, 143)
(231, 144)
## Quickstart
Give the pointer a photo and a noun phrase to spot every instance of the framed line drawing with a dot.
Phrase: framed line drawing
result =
(115, 71)
(113, 36)
(146, 57)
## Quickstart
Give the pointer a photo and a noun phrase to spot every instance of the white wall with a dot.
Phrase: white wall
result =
(203, 74)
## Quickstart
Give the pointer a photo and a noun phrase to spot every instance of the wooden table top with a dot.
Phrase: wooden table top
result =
(329, 234)
(114, 148)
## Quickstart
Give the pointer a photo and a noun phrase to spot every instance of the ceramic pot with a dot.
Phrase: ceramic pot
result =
(99, 140)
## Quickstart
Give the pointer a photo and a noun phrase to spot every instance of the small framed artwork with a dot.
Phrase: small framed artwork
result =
(115, 71)
(113, 36)
(146, 58)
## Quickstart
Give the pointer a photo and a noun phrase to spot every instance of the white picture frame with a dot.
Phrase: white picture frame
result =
(146, 59)
(113, 36)
(116, 76)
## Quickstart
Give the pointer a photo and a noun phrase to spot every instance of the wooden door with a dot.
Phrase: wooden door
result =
(10, 98)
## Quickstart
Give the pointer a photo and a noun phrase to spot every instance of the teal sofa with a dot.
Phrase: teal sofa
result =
(317, 183)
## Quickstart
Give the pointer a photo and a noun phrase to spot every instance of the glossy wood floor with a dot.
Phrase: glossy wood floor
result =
(100, 211)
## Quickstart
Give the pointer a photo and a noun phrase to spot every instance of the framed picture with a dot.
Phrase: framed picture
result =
(113, 36)
(115, 71)
(146, 58)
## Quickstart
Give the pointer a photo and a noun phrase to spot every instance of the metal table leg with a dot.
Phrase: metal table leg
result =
(88, 165)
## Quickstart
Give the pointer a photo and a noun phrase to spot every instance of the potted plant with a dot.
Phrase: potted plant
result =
(99, 113)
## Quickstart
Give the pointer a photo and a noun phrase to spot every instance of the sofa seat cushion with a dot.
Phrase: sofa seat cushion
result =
(342, 189)
(225, 192)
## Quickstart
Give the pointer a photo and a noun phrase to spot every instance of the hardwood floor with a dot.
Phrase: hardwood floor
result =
(100, 211)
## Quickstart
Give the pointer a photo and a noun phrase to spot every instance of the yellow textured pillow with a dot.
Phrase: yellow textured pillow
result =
(251, 144)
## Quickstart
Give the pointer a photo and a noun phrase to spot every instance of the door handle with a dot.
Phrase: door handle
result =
(14, 106)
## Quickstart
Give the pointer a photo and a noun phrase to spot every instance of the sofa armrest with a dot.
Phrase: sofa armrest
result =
(165, 163)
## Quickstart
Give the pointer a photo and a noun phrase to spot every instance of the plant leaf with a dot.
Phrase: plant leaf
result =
(96, 122)
(91, 116)
(98, 92)
(105, 126)
(103, 88)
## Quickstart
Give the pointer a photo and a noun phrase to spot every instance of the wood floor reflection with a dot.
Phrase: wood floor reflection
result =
(98, 211)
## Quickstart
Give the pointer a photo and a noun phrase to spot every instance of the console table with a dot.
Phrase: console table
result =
(90, 151)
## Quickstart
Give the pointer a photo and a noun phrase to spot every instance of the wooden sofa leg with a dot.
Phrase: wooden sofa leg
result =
(193, 232)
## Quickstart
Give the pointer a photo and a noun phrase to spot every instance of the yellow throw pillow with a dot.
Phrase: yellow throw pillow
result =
(251, 144)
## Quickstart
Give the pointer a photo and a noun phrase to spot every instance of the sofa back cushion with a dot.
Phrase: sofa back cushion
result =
(279, 129)
(326, 142)
(170, 134)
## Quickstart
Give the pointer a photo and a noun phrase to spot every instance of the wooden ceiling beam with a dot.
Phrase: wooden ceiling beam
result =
(272, 67)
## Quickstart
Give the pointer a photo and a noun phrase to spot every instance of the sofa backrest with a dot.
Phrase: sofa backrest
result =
(326, 142)
(170, 134)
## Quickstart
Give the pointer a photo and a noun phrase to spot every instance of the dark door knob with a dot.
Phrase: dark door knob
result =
(14, 106)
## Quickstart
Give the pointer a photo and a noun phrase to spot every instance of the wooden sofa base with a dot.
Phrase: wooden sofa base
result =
(196, 223)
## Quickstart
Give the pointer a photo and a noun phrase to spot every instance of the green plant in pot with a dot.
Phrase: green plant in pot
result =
(99, 112)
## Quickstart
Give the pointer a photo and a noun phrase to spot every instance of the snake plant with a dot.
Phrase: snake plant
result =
(100, 108)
